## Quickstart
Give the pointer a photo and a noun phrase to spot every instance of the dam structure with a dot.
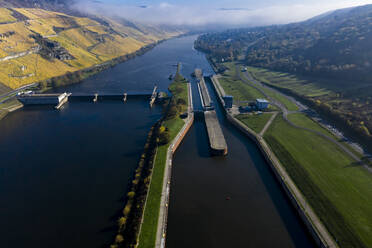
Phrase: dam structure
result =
(31, 98)
(218, 145)
(59, 99)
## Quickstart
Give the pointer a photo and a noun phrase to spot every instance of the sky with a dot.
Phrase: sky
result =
(226, 13)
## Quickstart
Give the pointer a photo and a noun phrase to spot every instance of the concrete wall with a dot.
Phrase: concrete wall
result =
(164, 201)
(322, 238)
(266, 152)
(183, 133)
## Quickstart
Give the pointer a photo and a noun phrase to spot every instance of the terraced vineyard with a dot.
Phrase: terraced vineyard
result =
(36, 44)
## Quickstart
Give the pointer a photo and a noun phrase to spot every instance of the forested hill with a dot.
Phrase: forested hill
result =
(337, 44)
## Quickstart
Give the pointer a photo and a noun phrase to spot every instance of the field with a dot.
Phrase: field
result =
(88, 42)
(149, 226)
(235, 87)
(275, 95)
(243, 91)
(338, 190)
(303, 121)
(254, 121)
(345, 103)
(299, 85)
(6, 16)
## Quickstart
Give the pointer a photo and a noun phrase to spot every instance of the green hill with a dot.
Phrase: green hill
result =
(326, 61)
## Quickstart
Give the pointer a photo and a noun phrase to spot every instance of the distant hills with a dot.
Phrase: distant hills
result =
(337, 44)
(38, 44)
(332, 51)
(59, 5)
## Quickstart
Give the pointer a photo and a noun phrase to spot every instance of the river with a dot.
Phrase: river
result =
(63, 173)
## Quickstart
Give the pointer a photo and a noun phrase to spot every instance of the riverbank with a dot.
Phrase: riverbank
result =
(312, 222)
(153, 226)
(75, 77)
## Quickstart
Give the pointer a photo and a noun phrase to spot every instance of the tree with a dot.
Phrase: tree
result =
(121, 222)
(164, 137)
(119, 238)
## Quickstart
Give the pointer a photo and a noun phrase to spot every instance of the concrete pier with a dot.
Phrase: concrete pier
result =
(63, 101)
(216, 139)
(153, 96)
(204, 94)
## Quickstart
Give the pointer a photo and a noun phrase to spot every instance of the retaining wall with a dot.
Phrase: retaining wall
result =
(164, 202)
(322, 238)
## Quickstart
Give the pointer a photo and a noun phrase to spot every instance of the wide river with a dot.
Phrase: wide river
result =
(63, 174)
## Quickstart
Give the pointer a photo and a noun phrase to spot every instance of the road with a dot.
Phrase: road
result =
(12, 93)
(252, 82)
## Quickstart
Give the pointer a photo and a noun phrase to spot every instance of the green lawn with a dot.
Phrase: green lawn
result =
(299, 85)
(147, 236)
(239, 90)
(339, 191)
(254, 121)
(303, 121)
(242, 91)
(275, 95)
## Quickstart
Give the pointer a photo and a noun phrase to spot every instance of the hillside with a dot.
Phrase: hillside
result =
(37, 44)
(337, 44)
(57, 5)
(325, 61)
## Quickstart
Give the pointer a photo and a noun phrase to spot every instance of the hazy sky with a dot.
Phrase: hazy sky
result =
(217, 12)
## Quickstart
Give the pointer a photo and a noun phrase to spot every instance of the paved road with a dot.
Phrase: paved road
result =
(250, 80)
(6, 96)
(268, 124)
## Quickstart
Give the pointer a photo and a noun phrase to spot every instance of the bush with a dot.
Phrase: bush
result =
(172, 112)
(181, 101)
(164, 137)
(131, 194)
(121, 222)
(126, 210)
(119, 238)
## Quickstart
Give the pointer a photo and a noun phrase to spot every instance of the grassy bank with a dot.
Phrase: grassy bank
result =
(233, 86)
(173, 124)
(341, 103)
(254, 121)
(338, 190)
(275, 95)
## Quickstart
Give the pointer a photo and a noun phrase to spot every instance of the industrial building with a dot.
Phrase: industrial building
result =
(262, 104)
(228, 101)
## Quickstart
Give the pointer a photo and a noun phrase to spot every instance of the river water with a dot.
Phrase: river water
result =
(63, 173)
